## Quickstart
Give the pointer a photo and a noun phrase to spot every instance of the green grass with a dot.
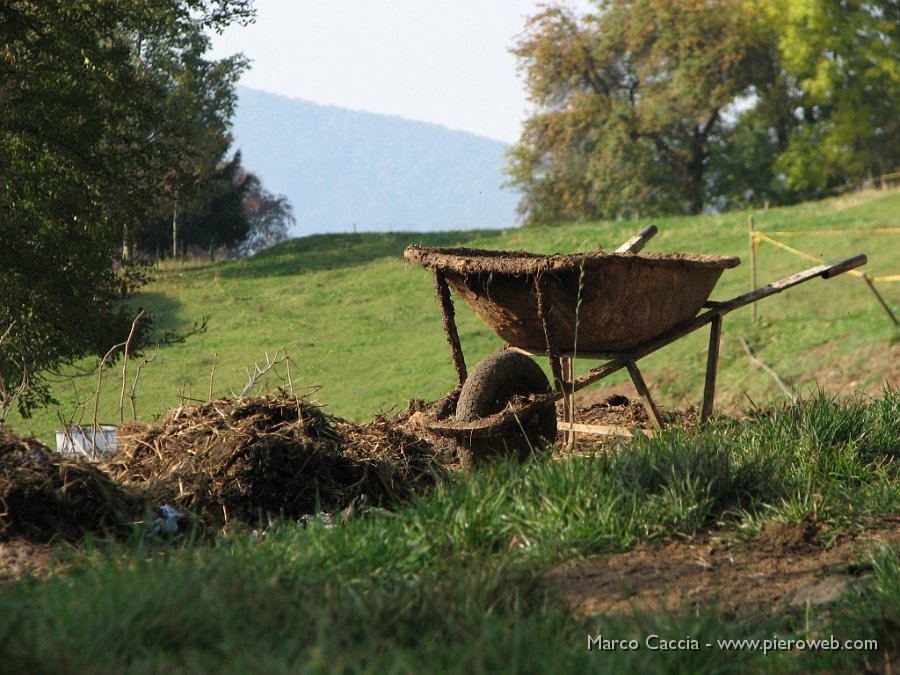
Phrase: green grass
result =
(364, 333)
(453, 583)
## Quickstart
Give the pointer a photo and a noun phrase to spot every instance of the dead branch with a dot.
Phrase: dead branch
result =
(7, 398)
(112, 350)
(212, 374)
(254, 377)
(125, 363)
(137, 375)
(756, 361)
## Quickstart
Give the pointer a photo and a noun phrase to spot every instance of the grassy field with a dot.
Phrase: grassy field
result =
(779, 527)
(363, 331)
(459, 580)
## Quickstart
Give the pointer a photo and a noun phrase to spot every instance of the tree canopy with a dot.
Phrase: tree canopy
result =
(99, 103)
(667, 106)
(842, 59)
(628, 103)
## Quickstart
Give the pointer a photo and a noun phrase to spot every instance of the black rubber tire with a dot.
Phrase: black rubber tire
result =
(491, 385)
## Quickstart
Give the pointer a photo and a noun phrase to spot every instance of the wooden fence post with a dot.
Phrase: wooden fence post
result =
(754, 247)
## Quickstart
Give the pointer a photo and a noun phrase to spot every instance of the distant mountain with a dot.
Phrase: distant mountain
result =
(344, 169)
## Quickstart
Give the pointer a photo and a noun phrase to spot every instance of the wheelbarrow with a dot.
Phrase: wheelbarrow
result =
(615, 307)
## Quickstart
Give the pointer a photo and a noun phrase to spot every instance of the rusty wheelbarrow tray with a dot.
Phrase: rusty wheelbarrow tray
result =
(618, 307)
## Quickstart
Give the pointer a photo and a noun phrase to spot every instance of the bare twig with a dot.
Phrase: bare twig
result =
(112, 350)
(287, 360)
(125, 363)
(7, 398)
(137, 375)
(756, 361)
(254, 377)
(7, 332)
(212, 375)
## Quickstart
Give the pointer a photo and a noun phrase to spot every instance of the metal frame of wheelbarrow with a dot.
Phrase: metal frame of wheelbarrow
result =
(561, 362)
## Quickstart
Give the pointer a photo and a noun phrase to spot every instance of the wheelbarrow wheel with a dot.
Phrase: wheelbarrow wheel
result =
(491, 385)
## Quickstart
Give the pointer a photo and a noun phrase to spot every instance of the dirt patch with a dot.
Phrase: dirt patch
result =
(21, 556)
(617, 410)
(45, 496)
(620, 410)
(786, 566)
(868, 370)
(278, 455)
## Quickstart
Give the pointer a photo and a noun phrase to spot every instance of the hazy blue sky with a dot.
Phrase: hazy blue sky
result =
(441, 61)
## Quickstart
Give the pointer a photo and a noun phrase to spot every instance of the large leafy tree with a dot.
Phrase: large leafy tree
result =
(841, 59)
(197, 109)
(628, 105)
(87, 134)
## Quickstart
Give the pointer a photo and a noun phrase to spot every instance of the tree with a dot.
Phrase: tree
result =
(269, 217)
(197, 109)
(212, 214)
(841, 60)
(628, 105)
(86, 135)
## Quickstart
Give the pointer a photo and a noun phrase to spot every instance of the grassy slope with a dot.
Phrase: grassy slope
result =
(453, 582)
(363, 330)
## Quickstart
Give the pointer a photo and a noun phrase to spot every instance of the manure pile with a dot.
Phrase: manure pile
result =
(223, 462)
(276, 455)
(44, 495)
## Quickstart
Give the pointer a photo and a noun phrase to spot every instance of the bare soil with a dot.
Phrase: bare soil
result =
(785, 567)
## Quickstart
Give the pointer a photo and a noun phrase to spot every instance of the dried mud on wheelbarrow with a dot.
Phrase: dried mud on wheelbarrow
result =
(613, 307)
(593, 301)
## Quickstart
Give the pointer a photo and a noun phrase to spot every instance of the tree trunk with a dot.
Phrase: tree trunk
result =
(127, 250)
(175, 228)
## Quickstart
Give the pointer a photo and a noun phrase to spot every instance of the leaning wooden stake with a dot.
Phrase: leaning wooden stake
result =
(881, 301)
(644, 393)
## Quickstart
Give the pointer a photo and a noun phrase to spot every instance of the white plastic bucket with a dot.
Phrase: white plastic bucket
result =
(81, 441)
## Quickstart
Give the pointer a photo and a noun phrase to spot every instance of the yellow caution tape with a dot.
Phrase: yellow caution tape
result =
(760, 236)
(833, 233)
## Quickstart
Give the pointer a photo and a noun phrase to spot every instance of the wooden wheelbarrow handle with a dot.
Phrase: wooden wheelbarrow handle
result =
(841, 266)
(636, 243)
(826, 271)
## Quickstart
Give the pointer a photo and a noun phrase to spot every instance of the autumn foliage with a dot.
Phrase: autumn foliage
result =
(662, 106)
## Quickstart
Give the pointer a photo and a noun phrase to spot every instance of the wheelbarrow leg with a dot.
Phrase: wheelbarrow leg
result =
(558, 365)
(644, 393)
(443, 295)
(712, 367)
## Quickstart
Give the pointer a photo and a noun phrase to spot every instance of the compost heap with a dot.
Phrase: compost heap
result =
(44, 495)
(222, 462)
(279, 455)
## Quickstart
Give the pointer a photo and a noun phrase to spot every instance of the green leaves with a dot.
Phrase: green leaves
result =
(87, 131)
(629, 103)
(842, 56)
(659, 107)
